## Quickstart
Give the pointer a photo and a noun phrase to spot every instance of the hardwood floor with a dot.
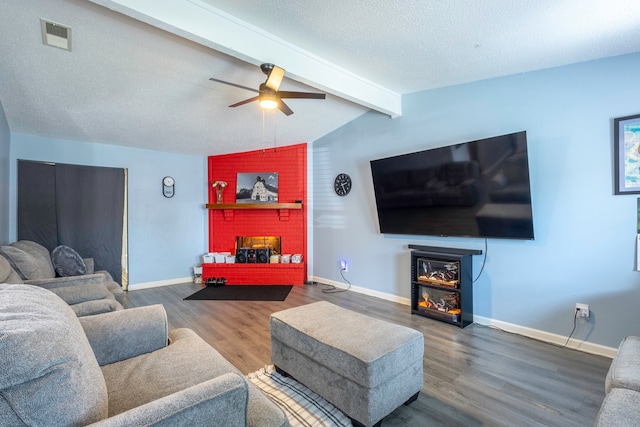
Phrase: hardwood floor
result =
(476, 376)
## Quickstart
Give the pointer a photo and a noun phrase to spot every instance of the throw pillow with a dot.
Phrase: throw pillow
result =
(28, 266)
(67, 262)
(40, 254)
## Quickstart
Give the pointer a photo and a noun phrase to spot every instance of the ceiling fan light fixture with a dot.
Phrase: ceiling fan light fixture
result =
(268, 100)
(268, 104)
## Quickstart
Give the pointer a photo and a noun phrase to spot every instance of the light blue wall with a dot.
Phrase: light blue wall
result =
(584, 246)
(5, 144)
(166, 236)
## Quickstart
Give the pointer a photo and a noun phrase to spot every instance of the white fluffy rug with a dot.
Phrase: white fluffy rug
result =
(302, 406)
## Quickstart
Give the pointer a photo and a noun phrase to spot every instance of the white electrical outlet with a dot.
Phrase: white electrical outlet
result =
(343, 265)
(582, 310)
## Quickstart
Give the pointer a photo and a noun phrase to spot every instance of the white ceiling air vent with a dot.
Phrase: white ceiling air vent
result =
(56, 35)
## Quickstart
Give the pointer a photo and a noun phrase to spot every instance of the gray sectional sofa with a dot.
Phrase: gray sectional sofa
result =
(123, 368)
(621, 405)
(87, 292)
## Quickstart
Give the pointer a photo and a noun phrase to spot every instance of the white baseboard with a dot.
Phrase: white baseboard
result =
(147, 285)
(537, 334)
(556, 339)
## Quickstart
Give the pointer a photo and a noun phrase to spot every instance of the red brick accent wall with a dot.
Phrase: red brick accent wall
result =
(291, 224)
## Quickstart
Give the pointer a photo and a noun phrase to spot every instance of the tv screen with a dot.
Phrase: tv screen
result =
(473, 189)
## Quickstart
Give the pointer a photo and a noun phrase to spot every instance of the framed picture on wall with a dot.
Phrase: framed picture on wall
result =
(257, 187)
(626, 140)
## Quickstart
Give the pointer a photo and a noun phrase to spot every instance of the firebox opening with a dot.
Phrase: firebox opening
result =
(260, 242)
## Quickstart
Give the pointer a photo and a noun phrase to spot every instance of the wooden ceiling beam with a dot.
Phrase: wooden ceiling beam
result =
(202, 23)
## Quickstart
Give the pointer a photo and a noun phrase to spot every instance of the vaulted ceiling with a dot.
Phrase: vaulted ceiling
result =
(138, 71)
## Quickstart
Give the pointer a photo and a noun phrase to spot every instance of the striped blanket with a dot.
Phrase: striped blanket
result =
(302, 406)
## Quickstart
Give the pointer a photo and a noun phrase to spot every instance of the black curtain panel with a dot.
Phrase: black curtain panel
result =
(89, 208)
(37, 203)
(88, 212)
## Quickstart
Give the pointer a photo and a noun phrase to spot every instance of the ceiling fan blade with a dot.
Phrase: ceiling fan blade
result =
(234, 84)
(274, 78)
(299, 95)
(284, 108)
(246, 101)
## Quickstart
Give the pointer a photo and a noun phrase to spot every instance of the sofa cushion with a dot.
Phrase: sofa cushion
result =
(33, 248)
(624, 372)
(24, 264)
(30, 260)
(7, 274)
(621, 407)
(187, 361)
(54, 378)
(67, 262)
(90, 308)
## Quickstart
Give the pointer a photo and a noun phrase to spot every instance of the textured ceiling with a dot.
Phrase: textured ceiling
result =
(413, 45)
(129, 83)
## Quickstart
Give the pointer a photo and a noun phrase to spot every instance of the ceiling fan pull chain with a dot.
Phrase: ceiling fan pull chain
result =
(274, 131)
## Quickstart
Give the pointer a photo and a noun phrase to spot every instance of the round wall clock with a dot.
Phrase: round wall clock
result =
(168, 186)
(342, 184)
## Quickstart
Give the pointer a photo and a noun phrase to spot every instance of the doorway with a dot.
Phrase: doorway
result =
(83, 207)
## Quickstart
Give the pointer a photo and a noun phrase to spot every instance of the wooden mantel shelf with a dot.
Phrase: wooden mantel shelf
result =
(236, 206)
(228, 209)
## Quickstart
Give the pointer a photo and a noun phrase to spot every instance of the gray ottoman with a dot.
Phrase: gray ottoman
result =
(364, 366)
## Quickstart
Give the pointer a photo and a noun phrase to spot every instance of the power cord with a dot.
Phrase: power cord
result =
(331, 289)
(484, 261)
(575, 321)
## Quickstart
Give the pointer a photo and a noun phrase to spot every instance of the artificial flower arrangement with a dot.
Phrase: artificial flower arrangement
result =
(219, 186)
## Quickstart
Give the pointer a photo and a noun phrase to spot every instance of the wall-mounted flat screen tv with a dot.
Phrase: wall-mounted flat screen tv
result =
(473, 189)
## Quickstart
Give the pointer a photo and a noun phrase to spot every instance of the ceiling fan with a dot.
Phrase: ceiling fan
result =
(269, 96)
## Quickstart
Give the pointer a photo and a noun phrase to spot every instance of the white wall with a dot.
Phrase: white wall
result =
(166, 236)
(584, 245)
(5, 138)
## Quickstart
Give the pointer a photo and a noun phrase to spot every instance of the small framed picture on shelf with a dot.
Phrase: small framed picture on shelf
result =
(257, 187)
(626, 140)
